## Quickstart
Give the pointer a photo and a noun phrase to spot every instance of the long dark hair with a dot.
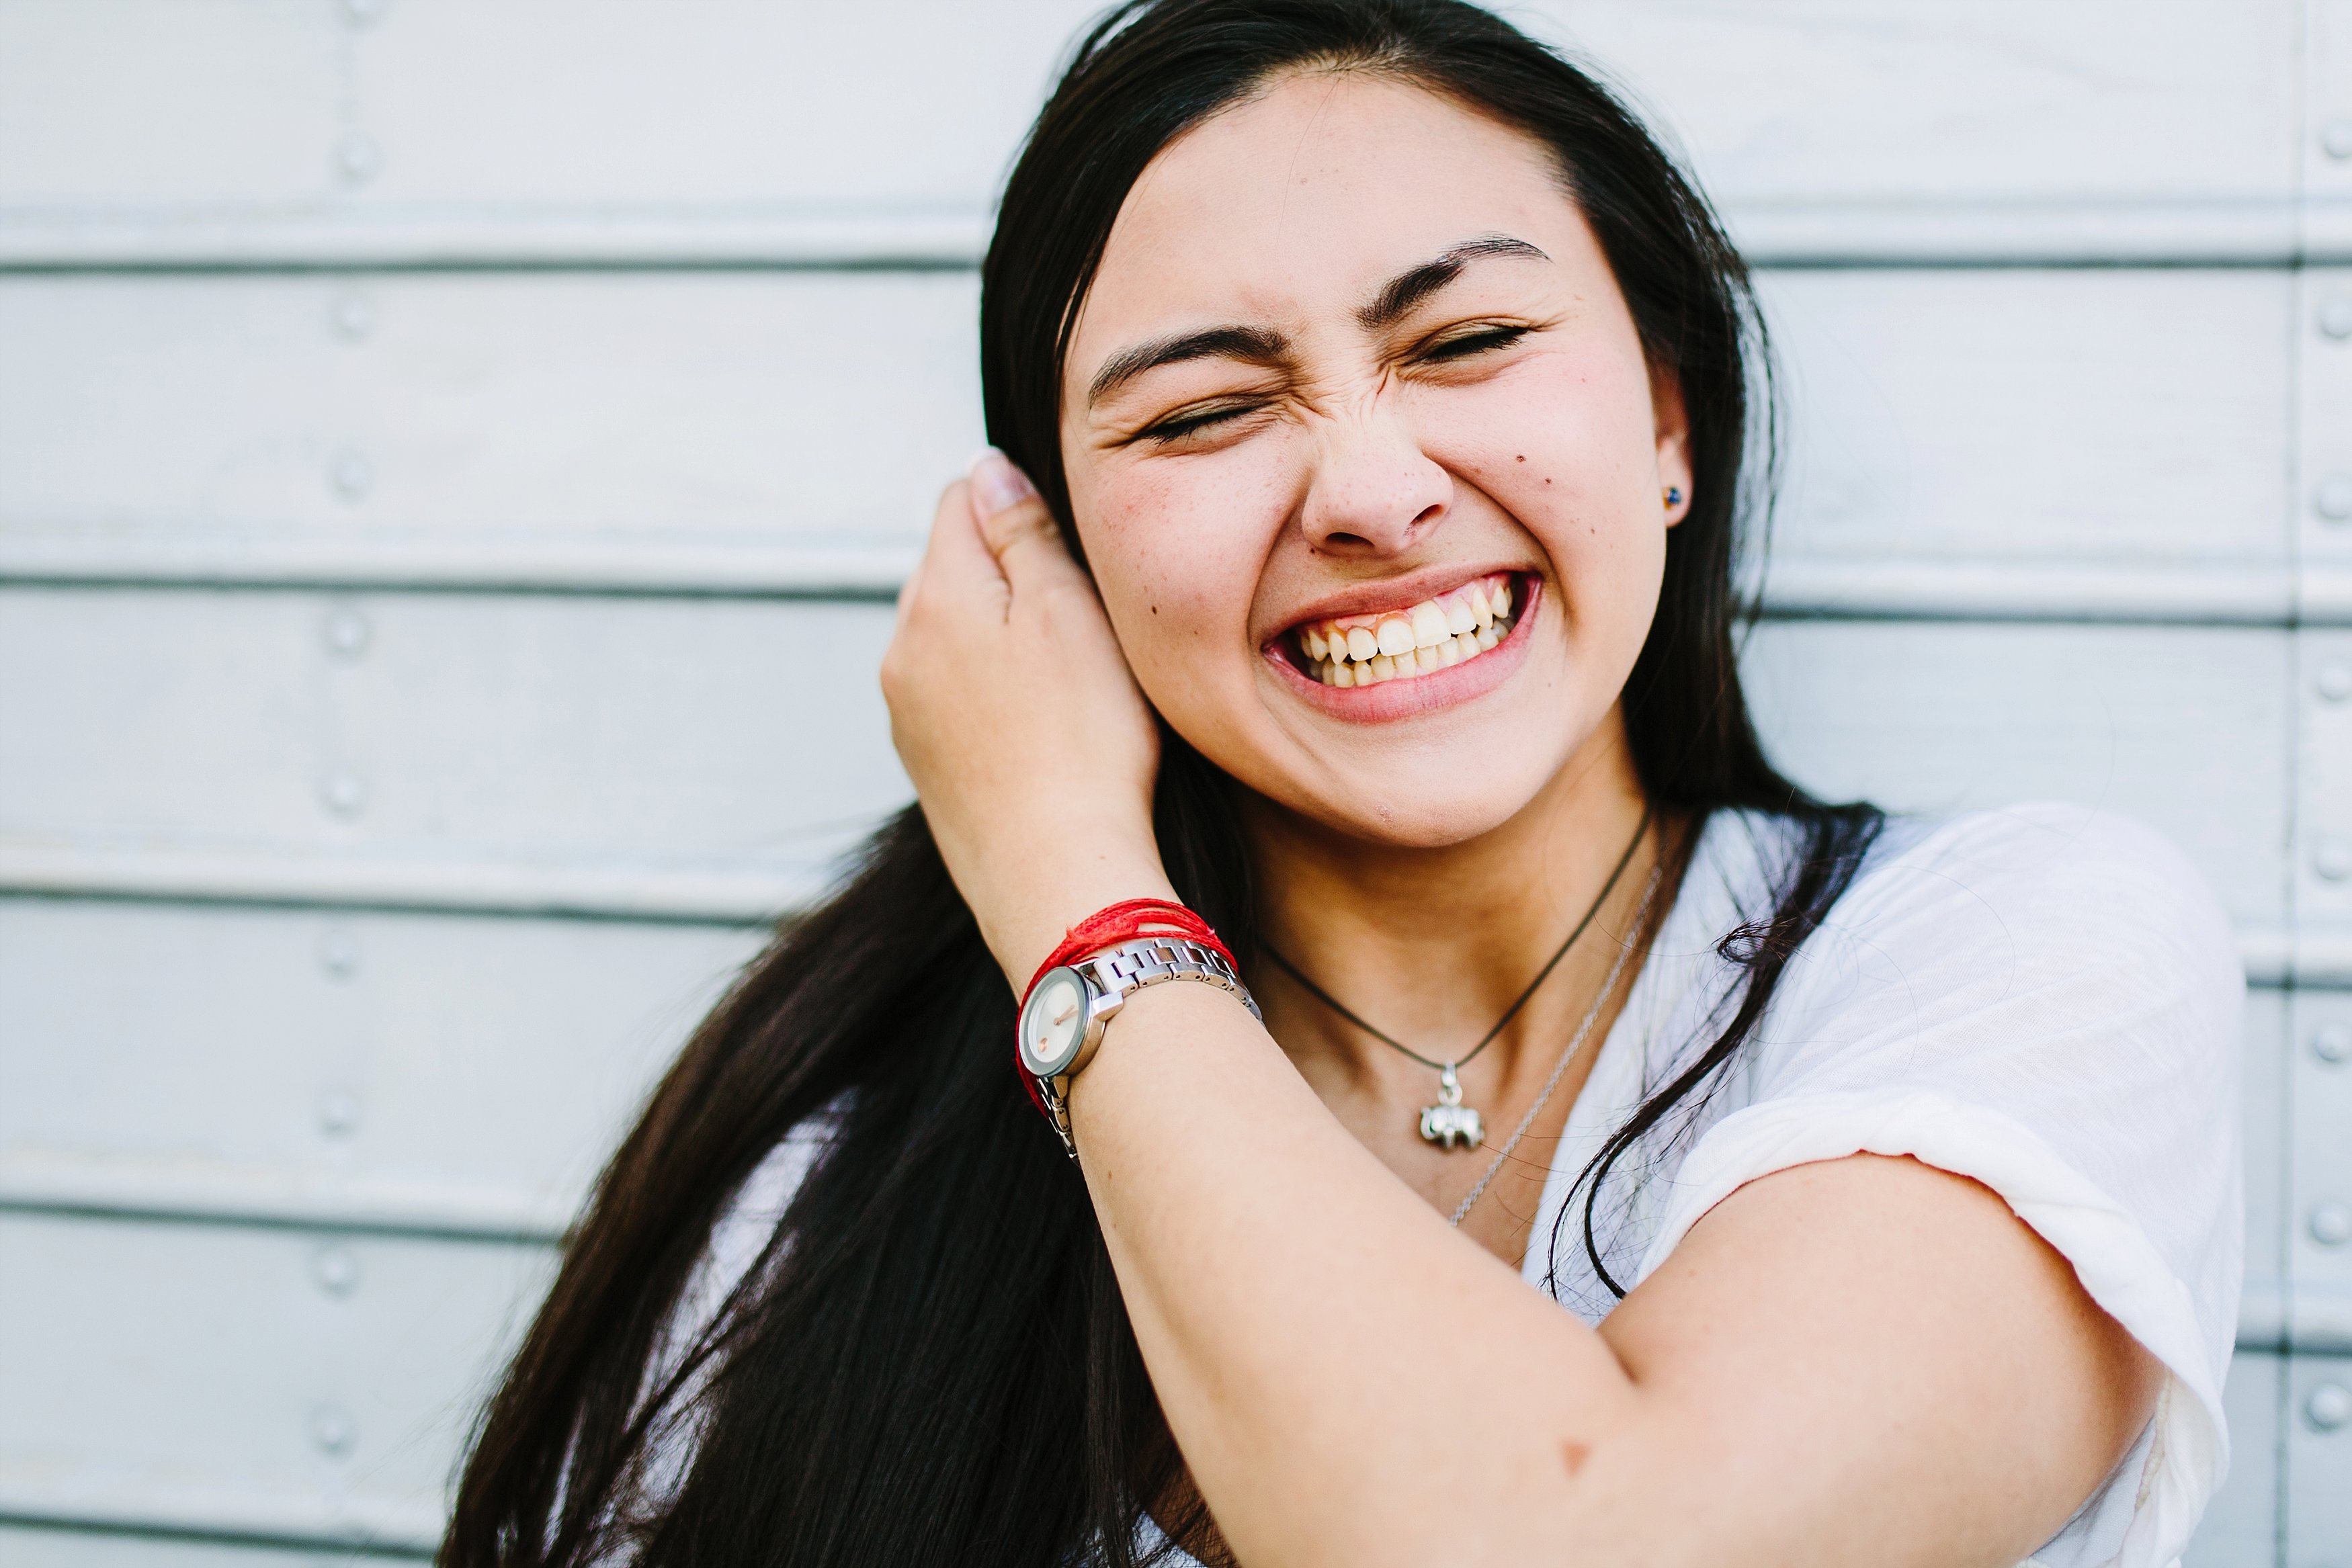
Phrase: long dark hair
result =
(931, 1361)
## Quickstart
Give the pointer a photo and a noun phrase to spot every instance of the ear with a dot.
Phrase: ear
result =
(1671, 419)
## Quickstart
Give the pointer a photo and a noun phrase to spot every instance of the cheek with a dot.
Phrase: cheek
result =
(1555, 438)
(1177, 549)
(1568, 450)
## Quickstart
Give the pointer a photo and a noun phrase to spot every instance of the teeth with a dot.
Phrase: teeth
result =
(1435, 635)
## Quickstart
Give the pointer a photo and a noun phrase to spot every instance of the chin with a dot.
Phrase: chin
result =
(1421, 805)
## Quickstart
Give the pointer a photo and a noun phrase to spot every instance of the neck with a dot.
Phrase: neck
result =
(1432, 945)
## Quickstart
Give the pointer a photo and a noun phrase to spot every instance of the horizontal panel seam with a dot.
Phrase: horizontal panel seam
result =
(405, 1546)
(1892, 588)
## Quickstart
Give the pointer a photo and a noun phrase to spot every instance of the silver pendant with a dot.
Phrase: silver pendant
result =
(1450, 1124)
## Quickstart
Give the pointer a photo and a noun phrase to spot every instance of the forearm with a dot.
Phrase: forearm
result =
(1351, 1380)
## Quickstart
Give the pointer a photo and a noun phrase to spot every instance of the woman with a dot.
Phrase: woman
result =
(1392, 387)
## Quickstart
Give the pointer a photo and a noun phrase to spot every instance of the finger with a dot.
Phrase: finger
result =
(958, 555)
(905, 599)
(953, 513)
(957, 568)
(1014, 521)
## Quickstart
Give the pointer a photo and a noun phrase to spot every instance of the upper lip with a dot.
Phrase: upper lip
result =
(1391, 593)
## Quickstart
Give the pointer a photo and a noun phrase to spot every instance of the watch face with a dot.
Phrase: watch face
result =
(1054, 1023)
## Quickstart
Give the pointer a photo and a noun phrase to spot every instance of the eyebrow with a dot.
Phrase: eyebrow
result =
(1410, 288)
(1251, 345)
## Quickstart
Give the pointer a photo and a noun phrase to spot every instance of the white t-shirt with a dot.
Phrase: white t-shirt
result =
(2044, 999)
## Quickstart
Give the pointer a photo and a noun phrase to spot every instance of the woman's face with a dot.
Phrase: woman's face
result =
(1354, 370)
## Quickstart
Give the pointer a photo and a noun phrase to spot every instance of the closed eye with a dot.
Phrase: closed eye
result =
(1464, 346)
(1178, 426)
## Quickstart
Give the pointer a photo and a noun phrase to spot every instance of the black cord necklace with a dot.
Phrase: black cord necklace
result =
(1450, 1124)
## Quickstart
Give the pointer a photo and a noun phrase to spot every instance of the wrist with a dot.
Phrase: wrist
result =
(1045, 899)
(1083, 987)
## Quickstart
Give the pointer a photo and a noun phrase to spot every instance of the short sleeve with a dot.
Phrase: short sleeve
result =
(2046, 1001)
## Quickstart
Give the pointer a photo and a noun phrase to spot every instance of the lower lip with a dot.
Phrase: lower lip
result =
(1419, 693)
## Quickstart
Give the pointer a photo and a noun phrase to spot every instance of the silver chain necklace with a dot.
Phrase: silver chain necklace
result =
(1450, 1124)
(1576, 1041)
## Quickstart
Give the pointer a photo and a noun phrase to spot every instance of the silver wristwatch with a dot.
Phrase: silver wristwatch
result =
(1063, 1021)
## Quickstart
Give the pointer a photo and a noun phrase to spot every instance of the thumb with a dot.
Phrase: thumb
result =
(1013, 520)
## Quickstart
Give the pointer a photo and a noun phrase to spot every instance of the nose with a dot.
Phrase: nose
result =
(1374, 491)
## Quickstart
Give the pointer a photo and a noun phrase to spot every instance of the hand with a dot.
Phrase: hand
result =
(1030, 748)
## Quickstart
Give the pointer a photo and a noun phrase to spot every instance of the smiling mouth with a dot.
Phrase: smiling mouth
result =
(1435, 635)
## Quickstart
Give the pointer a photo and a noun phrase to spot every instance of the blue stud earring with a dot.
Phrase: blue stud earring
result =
(1674, 495)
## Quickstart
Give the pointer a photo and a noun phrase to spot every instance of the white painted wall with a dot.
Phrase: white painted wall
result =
(426, 425)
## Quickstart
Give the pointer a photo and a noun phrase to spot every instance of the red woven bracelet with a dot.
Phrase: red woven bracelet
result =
(1107, 927)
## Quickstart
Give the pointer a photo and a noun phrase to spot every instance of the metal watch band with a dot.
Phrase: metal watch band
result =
(1117, 972)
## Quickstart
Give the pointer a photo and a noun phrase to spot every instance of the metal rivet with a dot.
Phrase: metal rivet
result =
(2335, 138)
(344, 793)
(2331, 1043)
(339, 954)
(357, 157)
(2334, 682)
(354, 318)
(2327, 1406)
(337, 1272)
(351, 475)
(331, 1431)
(2333, 499)
(339, 1112)
(2333, 859)
(2336, 317)
(2331, 1224)
(347, 633)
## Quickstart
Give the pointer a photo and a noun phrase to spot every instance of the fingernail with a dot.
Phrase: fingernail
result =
(997, 484)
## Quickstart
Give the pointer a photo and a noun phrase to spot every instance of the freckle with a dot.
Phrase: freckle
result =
(1523, 457)
(1573, 1455)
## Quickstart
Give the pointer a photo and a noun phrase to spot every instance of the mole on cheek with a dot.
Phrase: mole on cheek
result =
(1522, 457)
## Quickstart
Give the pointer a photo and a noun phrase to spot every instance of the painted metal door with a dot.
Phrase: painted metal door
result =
(455, 456)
